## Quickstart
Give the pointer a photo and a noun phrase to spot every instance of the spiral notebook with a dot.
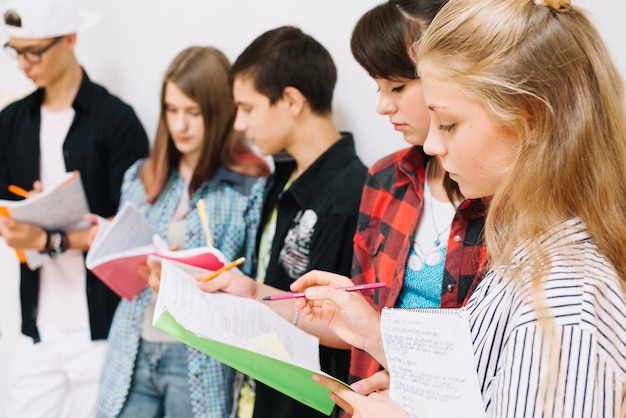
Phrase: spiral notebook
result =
(431, 362)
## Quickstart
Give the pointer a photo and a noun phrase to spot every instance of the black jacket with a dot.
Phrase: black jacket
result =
(315, 225)
(105, 138)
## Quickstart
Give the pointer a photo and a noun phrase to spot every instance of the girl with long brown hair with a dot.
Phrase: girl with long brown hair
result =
(196, 155)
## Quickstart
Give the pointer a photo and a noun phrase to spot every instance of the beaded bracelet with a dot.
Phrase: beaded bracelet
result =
(296, 316)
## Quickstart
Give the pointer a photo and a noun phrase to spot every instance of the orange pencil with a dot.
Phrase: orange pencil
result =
(18, 191)
(217, 272)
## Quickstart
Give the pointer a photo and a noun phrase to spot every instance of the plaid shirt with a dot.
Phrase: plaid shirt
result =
(390, 210)
(233, 205)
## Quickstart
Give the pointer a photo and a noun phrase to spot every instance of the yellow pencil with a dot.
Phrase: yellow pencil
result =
(205, 222)
(217, 272)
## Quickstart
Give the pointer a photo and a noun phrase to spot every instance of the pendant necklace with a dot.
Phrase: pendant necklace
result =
(432, 256)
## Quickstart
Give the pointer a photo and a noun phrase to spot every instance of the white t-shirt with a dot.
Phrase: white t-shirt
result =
(62, 294)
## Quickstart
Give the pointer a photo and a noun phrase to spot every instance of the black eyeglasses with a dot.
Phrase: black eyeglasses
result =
(33, 56)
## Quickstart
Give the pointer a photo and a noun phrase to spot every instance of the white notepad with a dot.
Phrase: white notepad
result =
(431, 362)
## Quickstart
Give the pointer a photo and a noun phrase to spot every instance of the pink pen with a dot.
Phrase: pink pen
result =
(356, 288)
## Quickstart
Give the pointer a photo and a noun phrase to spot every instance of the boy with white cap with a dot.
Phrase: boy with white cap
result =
(68, 123)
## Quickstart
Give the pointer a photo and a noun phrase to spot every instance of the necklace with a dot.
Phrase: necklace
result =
(437, 241)
(431, 257)
(434, 255)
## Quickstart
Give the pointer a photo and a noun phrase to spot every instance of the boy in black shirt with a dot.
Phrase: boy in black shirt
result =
(283, 87)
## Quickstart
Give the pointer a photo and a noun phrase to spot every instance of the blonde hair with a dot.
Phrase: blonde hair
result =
(542, 71)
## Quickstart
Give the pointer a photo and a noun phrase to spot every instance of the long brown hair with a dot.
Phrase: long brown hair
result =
(201, 73)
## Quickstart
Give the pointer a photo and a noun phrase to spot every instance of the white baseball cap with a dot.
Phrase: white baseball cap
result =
(37, 19)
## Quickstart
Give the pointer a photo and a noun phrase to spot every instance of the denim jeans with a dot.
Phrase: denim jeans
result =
(160, 386)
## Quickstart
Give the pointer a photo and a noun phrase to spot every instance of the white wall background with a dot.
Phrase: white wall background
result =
(131, 46)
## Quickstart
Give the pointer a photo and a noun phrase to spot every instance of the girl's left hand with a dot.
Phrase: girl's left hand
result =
(375, 405)
(154, 276)
(152, 271)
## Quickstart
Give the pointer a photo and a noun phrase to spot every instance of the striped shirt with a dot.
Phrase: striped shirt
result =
(587, 377)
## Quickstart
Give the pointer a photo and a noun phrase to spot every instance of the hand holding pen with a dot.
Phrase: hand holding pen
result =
(226, 267)
(18, 191)
(347, 313)
(225, 280)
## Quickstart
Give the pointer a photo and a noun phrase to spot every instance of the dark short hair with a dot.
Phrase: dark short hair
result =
(381, 43)
(383, 36)
(287, 57)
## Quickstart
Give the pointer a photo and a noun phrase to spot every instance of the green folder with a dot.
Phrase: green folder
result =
(287, 378)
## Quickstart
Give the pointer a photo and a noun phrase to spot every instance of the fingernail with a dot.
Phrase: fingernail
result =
(316, 378)
(310, 292)
(356, 387)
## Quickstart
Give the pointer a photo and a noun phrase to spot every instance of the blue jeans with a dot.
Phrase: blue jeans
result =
(160, 386)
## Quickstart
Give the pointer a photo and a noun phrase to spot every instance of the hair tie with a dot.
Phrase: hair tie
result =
(558, 5)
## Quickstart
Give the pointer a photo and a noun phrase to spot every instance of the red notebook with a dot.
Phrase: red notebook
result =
(125, 243)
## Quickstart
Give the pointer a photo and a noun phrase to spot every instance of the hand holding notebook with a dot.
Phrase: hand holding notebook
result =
(62, 206)
(124, 244)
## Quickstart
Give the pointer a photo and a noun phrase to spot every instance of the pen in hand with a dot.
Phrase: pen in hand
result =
(18, 191)
(355, 288)
(217, 272)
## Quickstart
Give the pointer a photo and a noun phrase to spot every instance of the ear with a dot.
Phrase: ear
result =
(294, 99)
(70, 40)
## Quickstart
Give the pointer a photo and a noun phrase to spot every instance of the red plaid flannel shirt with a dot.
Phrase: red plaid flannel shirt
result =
(391, 206)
